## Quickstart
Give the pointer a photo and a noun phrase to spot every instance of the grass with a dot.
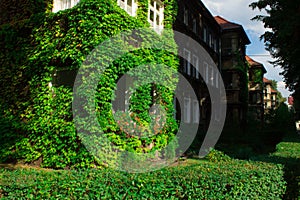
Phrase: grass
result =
(288, 154)
(216, 177)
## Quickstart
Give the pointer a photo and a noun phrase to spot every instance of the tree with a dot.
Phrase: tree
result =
(280, 98)
(283, 39)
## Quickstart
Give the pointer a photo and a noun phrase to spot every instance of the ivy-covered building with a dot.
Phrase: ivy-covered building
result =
(44, 46)
(42, 50)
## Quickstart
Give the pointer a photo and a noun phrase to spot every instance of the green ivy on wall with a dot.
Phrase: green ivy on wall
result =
(61, 41)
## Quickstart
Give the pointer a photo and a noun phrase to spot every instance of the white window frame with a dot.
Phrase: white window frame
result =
(195, 61)
(187, 62)
(187, 110)
(130, 9)
(158, 12)
(196, 112)
(63, 4)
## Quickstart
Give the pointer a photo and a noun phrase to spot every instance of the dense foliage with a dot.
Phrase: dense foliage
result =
(283, 39)
(36, 119)
(227, 179)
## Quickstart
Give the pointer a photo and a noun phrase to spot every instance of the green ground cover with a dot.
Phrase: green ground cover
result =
(216, 177)
(288, 154)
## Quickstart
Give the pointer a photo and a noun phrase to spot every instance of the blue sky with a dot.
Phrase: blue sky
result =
(238, 11)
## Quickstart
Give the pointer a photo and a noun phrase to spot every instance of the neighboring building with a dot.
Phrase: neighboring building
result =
(270, 95)
(256, 89)
(194, 20)
(234, 70)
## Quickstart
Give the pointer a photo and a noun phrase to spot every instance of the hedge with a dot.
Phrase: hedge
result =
(207, 180)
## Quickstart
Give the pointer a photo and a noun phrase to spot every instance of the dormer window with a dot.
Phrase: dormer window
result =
(63, 4)
(130, 6)
(156, 15)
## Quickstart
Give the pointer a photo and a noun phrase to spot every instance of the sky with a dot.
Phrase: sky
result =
(238, 11)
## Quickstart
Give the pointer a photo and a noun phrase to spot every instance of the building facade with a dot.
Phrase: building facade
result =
(270, 96)
(256, 89)
(234, 70)
(194, 20)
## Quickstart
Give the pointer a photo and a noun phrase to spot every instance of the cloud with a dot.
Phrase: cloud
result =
(237, 11)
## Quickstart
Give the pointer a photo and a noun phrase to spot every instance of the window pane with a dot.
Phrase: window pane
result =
(157, 20)
(151, 15)
(152, 3)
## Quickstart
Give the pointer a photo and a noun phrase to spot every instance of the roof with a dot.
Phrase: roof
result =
(269, 82)
(266, 80)
(227, 25)
(273, 91)
(255, 64)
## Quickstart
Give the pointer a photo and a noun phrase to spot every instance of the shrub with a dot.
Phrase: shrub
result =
(227, 180)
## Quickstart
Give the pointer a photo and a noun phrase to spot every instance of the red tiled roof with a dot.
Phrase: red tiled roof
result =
(225, 24)
(251, 61)
(266, 80)
(273, 91)
(254, 63)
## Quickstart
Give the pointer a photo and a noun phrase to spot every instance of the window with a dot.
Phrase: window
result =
(210, 40)
(186, 16)
(187, 110)
(196, 67)
(156, 15)
(187, 61)
(200, 21)
(63, 4)
(194, 25)
(196, 112)
(130, 6)
(205, 34)
(234, 44)
(205, 68)
(268, 89)
(211, 75)
(215, 45)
